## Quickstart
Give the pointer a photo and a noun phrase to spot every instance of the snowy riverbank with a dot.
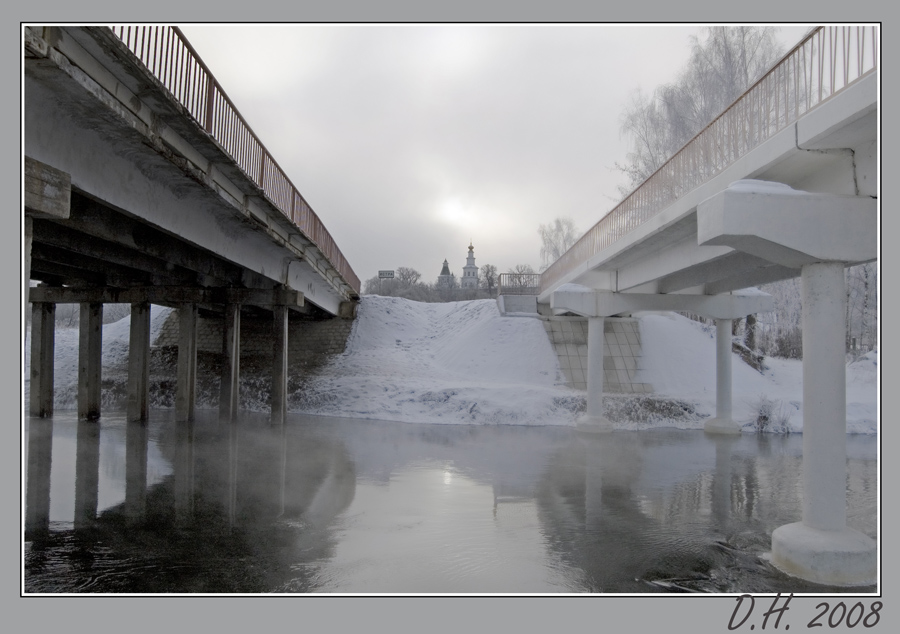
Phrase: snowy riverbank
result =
(463, 363)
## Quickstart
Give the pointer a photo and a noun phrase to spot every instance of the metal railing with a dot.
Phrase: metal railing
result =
(519, 284)
(168, 55)
(823, 64)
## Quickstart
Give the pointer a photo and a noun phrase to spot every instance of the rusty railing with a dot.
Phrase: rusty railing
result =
(168, 55)
(824, 63)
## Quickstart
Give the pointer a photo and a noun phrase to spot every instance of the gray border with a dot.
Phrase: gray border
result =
(347, 614)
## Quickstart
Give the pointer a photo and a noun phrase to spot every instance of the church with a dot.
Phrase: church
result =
(469, 277)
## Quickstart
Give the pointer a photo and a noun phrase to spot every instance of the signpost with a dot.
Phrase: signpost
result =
(386, 275)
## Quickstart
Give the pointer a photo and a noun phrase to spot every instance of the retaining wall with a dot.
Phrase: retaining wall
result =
(622, 355)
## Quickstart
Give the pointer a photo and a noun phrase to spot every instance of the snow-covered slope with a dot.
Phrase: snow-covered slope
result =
(459, 362)
(680, 362)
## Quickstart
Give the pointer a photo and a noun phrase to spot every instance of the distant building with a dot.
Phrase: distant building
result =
(444, 279)
(470, 271)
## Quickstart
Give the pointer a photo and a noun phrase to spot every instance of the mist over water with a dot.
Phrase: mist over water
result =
(331, 505)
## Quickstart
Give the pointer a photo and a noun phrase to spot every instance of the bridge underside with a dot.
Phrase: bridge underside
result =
(129, 200)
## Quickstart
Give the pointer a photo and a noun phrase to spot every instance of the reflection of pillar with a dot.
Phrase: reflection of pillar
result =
(138, 395)
(231, 347)
(136, 439)
(37, 490)
(593, 486)
(723, 422)
(232, 472)
(593, 420)
(821, 547)
(90, 351)
(43, 326)
(185, 391)
(279, 365)
(87, 473)
(282, 475)
(721, 486)
(183, 467)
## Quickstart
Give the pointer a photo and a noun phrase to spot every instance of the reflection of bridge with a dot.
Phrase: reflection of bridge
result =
(145, 185)
(782, 184)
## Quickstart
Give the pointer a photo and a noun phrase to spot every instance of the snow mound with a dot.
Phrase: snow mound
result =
(459, 362)
(680, 362)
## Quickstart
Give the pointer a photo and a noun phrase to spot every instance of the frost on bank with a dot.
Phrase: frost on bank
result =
(459, 362)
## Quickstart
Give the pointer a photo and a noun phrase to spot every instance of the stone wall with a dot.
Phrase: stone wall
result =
(622, 355)
(306, 338)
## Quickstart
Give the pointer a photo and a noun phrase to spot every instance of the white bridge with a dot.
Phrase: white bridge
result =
(782, 184)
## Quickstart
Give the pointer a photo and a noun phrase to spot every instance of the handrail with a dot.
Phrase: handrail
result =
(519, 283)
(824, 63)
(167, 54)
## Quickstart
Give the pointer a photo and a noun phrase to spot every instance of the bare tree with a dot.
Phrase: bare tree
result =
(722, 66)
(407, 276)
(556, 238)
(487, 278)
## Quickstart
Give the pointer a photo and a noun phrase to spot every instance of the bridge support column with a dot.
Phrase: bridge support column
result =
(43, 331)
(138, 396)
(185, 391)
(279, 365)
(231, 347)
(593, 420)
(26, 255)
(90, 351)
(822, 548)
(723, 423)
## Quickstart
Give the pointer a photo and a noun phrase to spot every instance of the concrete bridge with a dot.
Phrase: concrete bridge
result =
(783, 184)
(143, 184)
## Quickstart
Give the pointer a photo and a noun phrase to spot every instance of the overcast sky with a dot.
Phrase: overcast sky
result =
(411, 140)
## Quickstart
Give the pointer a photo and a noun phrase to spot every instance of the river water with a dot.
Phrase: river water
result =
(328, 505)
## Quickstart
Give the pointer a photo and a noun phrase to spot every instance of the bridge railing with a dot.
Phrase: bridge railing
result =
(824, 63)
(519, 283)
(168, 55)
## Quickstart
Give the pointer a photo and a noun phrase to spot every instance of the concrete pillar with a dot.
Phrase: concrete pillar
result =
(87, 473)
(279, 365)
(185, 391)
(723, 423)
(231, 347)
(821, 548)
(37, 488)
(26, 264)
(90, 351)
(593, 420)
(43, 331)
(138, 394)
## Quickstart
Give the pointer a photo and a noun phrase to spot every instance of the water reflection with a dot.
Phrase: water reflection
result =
(331, 505)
